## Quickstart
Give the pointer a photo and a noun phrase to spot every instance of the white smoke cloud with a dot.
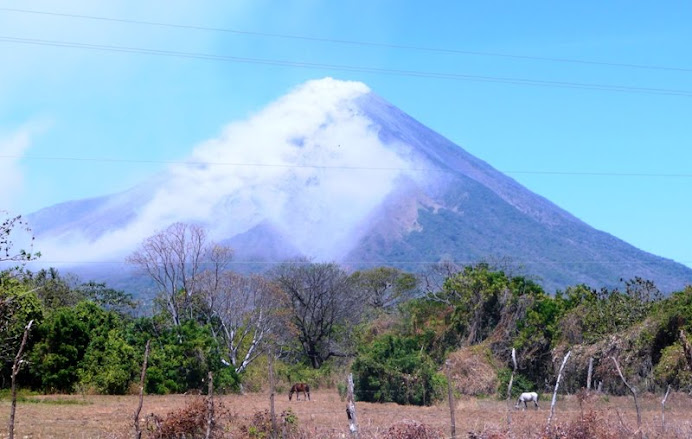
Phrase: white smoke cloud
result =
(306, 163)
(13, 146)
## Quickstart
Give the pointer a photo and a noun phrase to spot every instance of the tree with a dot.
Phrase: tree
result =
(384, 287)
(108, 298)
(55, 290)
(325, 307)
(243, 311)
(479, 295)
(54, 360)
(12, 227)
(173, 259)
(18, 306)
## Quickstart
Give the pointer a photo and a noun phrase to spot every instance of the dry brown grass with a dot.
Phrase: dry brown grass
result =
(325, 416)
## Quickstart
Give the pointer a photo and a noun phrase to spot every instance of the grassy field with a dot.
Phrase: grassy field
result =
(62, 416)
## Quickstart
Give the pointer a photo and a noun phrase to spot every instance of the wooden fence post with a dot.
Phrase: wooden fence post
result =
(588, 375)
(663, 411)
(15, 370)
(351, 409)
(509, 388)
(210, 406)
(138, 429)
(270, 360)
(557, 385)
(452, 404)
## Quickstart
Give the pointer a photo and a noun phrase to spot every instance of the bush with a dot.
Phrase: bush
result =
(393, 369)
(190, 422)
(412, 430)
(672, 368)
(260, 425)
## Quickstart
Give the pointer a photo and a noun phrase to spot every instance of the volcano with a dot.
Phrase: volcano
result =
(333, 172)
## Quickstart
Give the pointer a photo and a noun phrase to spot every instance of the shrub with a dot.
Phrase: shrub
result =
(412, 430)
(190, 422)
(260, 425)
(393, 369)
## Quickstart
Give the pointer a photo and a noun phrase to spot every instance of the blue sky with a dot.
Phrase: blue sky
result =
(78, 122)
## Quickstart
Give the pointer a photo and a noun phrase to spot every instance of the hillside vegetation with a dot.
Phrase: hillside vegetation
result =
(394, 330)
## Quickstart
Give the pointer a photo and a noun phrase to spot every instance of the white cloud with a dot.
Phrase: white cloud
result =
(13, 146)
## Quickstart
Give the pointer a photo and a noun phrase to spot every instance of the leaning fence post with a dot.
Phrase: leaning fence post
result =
(351, 409)
(557, 385)
(588, 375)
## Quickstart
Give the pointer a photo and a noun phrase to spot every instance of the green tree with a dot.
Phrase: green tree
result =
(181, 357)
(54, 360)
(110, 364)
(107, 298)
(478, 295)
(18, 305)
(395, 369)
(54, 289)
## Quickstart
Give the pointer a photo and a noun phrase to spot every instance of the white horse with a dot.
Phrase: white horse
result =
(526, 397)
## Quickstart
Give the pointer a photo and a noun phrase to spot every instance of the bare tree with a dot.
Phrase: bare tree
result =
(243, 311)
(173, 259)
(433, 278)
(324, 304)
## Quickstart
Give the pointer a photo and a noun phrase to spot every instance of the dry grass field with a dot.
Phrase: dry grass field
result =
(82, 417)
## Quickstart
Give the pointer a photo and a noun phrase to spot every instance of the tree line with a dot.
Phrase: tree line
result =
(393, 329)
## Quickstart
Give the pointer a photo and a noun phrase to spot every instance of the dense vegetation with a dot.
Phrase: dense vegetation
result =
(396, 331)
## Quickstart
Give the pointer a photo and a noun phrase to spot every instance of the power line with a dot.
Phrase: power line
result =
(352, 42)
(339, 167)
(349, 68)
(378, 263)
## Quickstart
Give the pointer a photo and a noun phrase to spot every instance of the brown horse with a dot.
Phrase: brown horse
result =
(297, 389)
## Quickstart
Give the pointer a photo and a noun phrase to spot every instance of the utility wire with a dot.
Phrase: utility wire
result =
(385, 263)
(339, 167)
(350, 42)
(349, 68)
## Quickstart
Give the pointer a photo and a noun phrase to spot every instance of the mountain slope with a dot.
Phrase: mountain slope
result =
(331, 171)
